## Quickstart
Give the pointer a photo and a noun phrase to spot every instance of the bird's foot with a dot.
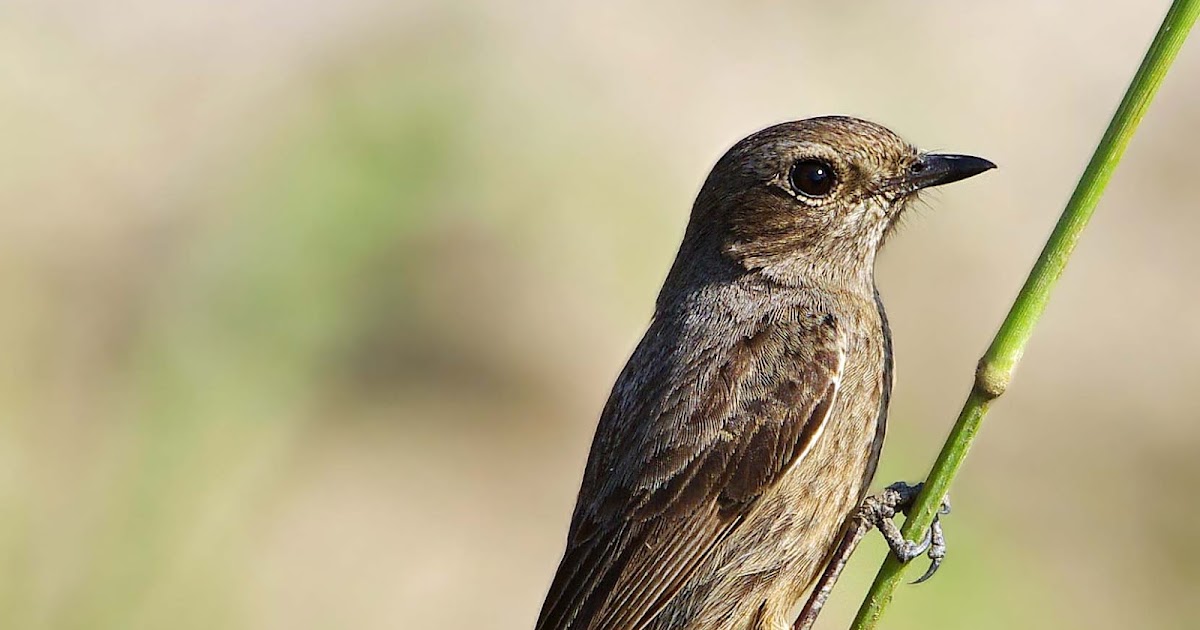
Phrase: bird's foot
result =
(880, 510)
(877, 511)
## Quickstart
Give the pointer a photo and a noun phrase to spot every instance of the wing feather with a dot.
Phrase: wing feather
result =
(691, 437)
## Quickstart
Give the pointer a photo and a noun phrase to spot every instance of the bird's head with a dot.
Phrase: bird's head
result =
(815, 196)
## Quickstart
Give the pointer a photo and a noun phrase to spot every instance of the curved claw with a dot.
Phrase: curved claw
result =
(933, 567)
(925, 543)
(937, 551)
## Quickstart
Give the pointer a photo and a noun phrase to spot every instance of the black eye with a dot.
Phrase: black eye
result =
(813, 178)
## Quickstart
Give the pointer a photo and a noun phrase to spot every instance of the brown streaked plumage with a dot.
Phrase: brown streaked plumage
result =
(748, 423)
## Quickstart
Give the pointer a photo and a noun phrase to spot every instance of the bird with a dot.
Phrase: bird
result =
(745, 430)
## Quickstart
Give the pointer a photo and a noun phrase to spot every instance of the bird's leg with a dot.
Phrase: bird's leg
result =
(858, 527)
(878, 511)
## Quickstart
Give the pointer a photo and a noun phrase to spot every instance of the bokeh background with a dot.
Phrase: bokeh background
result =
(309, 308)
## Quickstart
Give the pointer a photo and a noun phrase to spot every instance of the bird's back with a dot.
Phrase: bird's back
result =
(735, 442)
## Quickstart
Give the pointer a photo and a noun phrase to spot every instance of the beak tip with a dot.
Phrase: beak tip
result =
(945, 168)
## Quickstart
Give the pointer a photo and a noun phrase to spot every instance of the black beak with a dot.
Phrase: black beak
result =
(935, 169)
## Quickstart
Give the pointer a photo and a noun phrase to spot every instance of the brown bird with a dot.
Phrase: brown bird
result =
(745, 429)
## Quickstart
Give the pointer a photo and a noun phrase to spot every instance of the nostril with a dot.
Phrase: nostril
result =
(917, 167)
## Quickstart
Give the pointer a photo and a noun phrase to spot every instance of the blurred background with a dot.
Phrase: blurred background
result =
(309, 308)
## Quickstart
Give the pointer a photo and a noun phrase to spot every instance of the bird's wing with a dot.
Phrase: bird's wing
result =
(675, 469)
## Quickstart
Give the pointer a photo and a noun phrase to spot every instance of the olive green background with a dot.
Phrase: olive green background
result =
(307, 309)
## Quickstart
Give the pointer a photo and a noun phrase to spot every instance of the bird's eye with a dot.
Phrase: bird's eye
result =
(813, 178)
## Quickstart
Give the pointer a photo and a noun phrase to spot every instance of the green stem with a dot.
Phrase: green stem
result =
(998, 363)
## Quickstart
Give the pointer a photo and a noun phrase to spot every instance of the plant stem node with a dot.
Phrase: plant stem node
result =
(991, 380)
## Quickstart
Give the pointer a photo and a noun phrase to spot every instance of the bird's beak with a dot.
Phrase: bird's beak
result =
(935, 169)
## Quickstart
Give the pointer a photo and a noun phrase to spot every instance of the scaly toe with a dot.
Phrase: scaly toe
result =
(937, 550)
(912, 550)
